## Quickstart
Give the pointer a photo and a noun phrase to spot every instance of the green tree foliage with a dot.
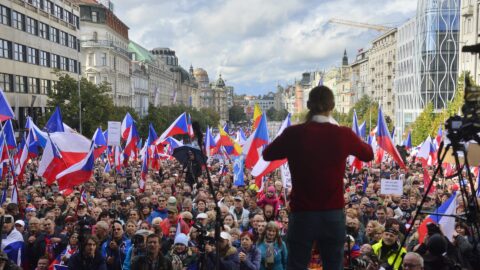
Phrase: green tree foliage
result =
(422, 126)
(236, 114)
(276, 115)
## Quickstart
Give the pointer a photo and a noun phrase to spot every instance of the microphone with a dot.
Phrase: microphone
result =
(198, 133)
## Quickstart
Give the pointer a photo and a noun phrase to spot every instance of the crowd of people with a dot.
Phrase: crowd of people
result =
(107, 223)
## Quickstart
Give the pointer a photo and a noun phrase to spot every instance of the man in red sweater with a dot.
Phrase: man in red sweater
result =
(317, 151)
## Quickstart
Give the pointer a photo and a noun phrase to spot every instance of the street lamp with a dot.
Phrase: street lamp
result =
(78, 88)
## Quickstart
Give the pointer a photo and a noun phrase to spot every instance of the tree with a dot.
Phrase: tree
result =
(281, 114)
(97, 106)
(236, 114)
(422, 126)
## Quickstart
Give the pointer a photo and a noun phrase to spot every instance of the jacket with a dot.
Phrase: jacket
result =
(390, 257)
(253, 259)
(228, 261)
(78, 262)
(143, 262)
(280, 255)
(242, 219)
(119, 255)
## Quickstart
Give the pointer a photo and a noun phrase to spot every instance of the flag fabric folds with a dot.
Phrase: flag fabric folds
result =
(447, 223)
(99, 142)
(257, 113)
(385, 141)
(6, 111)
(408, 141)
(55, 123)
(126, 125)
(13, 245)
(238, 173)
(178, 127)
(253, 145)
(9, 135)
(77, 173)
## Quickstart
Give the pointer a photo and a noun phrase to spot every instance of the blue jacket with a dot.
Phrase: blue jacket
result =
(253, 259)
(280, 257)
(119, 255)
(157, 213)
(228, 262)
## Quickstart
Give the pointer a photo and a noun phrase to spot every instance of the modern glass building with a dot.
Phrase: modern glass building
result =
(435, 60)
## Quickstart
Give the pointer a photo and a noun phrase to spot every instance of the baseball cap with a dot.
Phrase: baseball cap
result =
(226, 236)
(181, 239)
(172, 200)
(238, 198)
(172, 209)
(20, 222)
(202, 216)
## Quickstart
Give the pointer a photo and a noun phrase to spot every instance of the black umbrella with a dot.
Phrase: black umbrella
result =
(182, 154)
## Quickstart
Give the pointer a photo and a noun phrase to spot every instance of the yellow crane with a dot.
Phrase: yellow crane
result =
(377, 27)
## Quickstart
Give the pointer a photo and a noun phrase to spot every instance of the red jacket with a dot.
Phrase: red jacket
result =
(317, 154)
(165, 225)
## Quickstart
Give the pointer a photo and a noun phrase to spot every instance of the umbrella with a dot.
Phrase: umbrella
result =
(181, 154)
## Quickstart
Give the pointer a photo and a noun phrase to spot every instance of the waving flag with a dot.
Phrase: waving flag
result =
(447, 223)
(24, 157)
(408, 142)
(209, 142)
(427, 153)
(241, 139)
(363, 129)
(426, 181)
(99, 142)
(152, 135)
(385, 141)
(178, 127)
(126, 126)
(439, 137)
(253, 146)
(257, 114)
(108, 167)
(9, 135)
(189, 126)
(55, 123)
(227, 142)
(118, 160)
(6, 111)
(263, 167)
(132, 140)
(355, 162)
(52, 163)
(77, 173)
(14, 246)
(238, 166)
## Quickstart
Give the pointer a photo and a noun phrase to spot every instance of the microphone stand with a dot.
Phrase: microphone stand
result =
(218, 221)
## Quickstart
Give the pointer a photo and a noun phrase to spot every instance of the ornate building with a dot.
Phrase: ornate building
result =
(220, 104)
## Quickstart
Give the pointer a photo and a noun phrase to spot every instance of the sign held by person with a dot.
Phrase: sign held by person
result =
(114, 133)
(391, 187)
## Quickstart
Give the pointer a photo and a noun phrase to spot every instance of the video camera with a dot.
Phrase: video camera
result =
(203, 238)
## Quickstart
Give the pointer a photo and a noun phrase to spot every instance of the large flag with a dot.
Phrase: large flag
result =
(179, 126)
(238, 173)
(77, 173)
(126, 125)
(257, 114)
(241, 138)
(385, 141)
(52, 163)
(447, 223)
(55, 123)
(228, 142)
(99, 142)
(263, 167)
(6, 111)
(254, 144)
(132, 140)
(9, 135)
(427, 153)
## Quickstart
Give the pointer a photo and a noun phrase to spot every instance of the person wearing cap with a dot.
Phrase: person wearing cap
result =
(317, 165)
(13, 245)
(240, 212)
(181, 255)
(172, 220)
(386, 249)
(20, 226)
(228, 254)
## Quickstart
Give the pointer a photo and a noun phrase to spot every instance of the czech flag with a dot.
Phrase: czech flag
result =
(426, 181)
(427, 153)
(385, 141)
(24, 157)
(52, 163)
(152, 135)
(257, 114)
(6, 111)
(209, 142)
(189, 126)
(78, 173)
(9, 135)
(447, 223)
(356, 163)
(55, 123)
(263, 167)
(252, 147)
(408, 141)
(14, 246)
(126, 125)
(132, 140)
(99, 142)
(144, 173)
(178, 127)
(363, 130)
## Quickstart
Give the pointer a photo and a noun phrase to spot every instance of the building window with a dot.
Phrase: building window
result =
(103, 59)
(20, 84)
(19, 52)
(49, 7)
(33, 86)
(94, 16)
(31, 25)
(53, 34)
(58, 12)
(63, 38)
(32, 55)
(44, 59)
(71, 65)
(44, 86)
(17, 20)
(53, 60)
(63, 63)
(72, 42)
(66, 15)
(6, 82)
(5, 49)
(4, 15)
(91, 79)
(43, 30)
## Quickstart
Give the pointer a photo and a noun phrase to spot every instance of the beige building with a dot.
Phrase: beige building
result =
(105, 58)
(36, 37)
(359, 75)
(381, 61)
(220, 103)
(468, 35)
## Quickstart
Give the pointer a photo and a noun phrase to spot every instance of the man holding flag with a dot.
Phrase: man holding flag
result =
(317, 151)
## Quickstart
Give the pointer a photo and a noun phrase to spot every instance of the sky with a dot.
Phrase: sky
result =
(257, 44)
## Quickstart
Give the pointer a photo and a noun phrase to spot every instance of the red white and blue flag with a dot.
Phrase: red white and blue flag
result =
(427, 153)
(99, 142)
(254, 145)
(178, 127)
(78, 173)
(209, 142)
(126, 126)
(447, 223)
(439, 137)
(6, 111)
(355, 162)
(9, 135)
(385, 141)
(408, 141)
(144, 173)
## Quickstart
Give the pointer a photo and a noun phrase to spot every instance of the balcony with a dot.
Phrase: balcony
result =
(467, 11)
(104, 44)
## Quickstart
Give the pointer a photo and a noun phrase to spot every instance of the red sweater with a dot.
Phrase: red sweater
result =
(317, 154)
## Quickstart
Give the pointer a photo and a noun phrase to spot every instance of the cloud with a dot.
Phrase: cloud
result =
(256, 44)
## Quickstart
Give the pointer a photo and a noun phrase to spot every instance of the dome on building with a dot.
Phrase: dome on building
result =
(200, 72)
(220, 82)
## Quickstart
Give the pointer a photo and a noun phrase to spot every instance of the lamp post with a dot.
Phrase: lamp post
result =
(78, 88)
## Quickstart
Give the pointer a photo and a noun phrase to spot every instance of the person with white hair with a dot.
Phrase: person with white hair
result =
(412, 260)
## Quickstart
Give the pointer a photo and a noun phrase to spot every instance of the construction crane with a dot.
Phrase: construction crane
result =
(379, 28)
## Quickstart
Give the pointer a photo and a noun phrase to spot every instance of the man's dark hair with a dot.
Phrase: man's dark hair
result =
(155, 236)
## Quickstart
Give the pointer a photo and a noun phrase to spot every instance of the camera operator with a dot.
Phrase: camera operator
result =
(229, 259)
(89, 257)
(115, 248)
(153, 259)
(386, 249)
(138, 247)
